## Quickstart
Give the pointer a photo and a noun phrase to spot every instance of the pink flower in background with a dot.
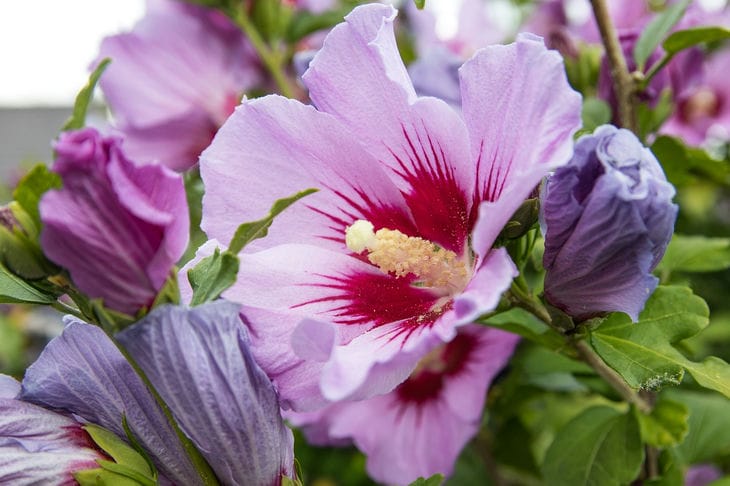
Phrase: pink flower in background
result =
(435, 71)
(174, 79)
(419, 428)
(117, 227)
(704, 111)
(394, 252)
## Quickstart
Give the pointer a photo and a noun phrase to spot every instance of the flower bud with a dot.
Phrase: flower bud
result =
(607, 218)
(19, 249)
(118, 228)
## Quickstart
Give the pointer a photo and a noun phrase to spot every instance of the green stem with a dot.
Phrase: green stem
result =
(655, 68)
(587, 354)
(521, 298)
(530, 303)
(271, 59)
(67, 309)
(201, 465)
(623, 82)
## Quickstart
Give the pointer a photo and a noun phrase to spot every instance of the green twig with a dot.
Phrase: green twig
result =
(587, 354)
(273, 60)
(530, 303)
(68, 309)
(623, 81)
(654, 69)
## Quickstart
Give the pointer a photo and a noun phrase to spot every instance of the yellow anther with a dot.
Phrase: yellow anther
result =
(399, 254)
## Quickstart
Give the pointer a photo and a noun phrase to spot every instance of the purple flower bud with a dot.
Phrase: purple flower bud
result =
(607, 218)
(118, 228)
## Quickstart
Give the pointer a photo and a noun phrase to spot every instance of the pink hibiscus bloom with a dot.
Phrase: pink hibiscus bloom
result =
(703, 111)
(174, 79)
(419, 428)
(395, 252)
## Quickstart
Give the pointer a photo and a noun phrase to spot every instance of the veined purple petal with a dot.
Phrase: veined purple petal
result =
(200, 363)
(39, 446)
(9, 386)
(83, 372)
(607, 218)
(116, 227)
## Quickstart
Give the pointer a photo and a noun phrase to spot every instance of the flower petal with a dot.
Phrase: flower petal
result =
(360, 65)
(175, 59)
(84, 373)
(486, 286)
(39, 446)
(200, 363)
(521, 115)
(117, 227)
(273, 346)
(374, 362)
(420, 431)
(284, 147)
(9, 386)
(359, 77)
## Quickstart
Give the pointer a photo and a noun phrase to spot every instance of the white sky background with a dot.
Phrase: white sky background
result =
(47, 45)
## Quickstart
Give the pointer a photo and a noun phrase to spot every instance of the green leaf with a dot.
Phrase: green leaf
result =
(525, 324)
(684, 39)
(511, 438)
(601, 446)
(709, 422)
(212, 275)
(170, 291)
(696, 254)
(666, 425)
(128, 463)
(434, 480)
(15, 290)
(22, 256)
(81, 105)
(656, 30)
(104, 477)
(684, 165)
(194, 191)
(247, 232)
(31, 188)
(305, 23)
(595, 113)
(644, 353)
(118, 449)
(110, 320)
(651, 118)
(271, 18)
(671, 470)
(420, 4)
(550, 370)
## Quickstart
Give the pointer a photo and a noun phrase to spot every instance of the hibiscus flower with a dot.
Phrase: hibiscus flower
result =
(396, 250)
